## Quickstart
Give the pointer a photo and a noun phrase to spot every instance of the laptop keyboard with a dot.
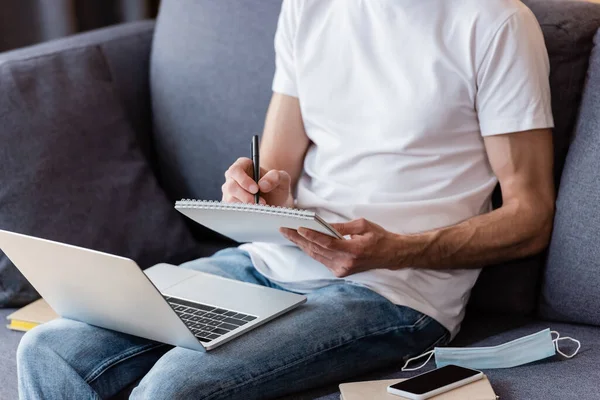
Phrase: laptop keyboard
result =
(207, 322)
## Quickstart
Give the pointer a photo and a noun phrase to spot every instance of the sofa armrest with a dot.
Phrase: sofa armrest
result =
(126, 48)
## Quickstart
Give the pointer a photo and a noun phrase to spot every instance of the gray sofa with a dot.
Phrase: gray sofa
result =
(195, 85)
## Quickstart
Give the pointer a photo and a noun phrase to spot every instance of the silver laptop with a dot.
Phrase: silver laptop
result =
(164, 303)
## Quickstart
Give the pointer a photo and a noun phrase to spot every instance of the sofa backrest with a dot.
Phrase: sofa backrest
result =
(211, 70)
(571, 286)
(569, 27)
(212, 66)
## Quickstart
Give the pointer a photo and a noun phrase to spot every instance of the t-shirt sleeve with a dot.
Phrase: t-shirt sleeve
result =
(513, 89)
(284, 81)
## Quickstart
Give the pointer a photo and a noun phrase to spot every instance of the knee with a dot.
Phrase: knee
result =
(34, 340)
(30, 347)
(179, 374)
(39, 340)
(161, 387)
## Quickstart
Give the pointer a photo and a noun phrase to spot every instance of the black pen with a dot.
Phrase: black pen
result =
(256, 165)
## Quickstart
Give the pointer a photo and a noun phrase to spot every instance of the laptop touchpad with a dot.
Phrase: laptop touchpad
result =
(164, 276)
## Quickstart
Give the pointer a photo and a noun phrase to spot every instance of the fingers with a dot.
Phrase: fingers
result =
(234, 193)
(240, 172)
(356, 227)
(340, 264)
(345, 248)
(240, 187)
(323, 260)
(321, 239)
(274, 179)
(310, 248)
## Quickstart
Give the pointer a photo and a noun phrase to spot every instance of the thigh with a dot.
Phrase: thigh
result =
(107, 361)
(231, 263)
(342, 331)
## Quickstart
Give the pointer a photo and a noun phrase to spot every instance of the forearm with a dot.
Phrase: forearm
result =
(521, 161)
(515, 230)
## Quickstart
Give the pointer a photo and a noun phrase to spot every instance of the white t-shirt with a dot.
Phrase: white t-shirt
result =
(396, 97)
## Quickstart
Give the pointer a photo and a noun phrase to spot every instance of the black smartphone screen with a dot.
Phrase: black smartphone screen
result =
(435, 379)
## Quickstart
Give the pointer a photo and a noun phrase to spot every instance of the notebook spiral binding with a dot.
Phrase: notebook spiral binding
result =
(255, 208)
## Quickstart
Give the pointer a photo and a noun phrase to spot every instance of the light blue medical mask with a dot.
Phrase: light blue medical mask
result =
(518, 352)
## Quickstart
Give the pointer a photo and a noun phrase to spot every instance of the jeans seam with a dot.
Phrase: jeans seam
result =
(304, 359)
(115, 360)
(95, 396)
(417, 322)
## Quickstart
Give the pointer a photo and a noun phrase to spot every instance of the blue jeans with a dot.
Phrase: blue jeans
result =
(342, 331)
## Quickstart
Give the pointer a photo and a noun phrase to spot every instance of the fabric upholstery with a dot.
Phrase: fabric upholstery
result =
(571, 290)
(71, 170)
(126, 49)
(9, 341)
(129, 61)
(212, 66)
(569, 27)
(553, 378)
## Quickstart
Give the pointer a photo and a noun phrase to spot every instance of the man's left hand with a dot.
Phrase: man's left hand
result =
(369, 247)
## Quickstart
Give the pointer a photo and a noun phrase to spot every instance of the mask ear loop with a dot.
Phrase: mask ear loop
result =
(558, 339)
(430, 353)
(571, 339)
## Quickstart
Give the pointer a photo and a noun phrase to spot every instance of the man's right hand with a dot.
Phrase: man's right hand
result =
(239, 187)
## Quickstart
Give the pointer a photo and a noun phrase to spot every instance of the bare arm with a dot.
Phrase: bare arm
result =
(522, 162)
(283, 147)
(284, 142)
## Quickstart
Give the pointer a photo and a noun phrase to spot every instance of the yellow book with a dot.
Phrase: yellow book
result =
(31, 316)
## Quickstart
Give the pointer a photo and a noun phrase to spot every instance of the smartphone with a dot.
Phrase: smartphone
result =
(435, 382)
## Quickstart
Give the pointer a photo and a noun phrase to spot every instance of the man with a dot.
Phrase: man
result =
(394, 120)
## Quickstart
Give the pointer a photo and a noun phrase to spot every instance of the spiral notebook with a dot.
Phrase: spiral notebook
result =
(252, 222)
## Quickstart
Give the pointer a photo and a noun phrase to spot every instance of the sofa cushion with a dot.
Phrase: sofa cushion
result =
(211, 70)
(71, 168)
(569, 27)
(552, 378)
(9, 340)
(126, 48)
(571, 288)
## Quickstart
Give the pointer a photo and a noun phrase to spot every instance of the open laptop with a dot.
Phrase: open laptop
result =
(165, 303)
